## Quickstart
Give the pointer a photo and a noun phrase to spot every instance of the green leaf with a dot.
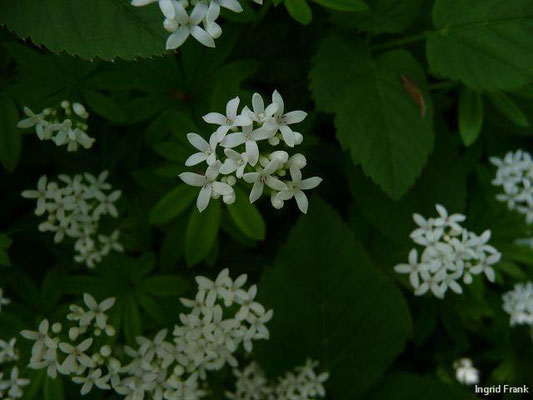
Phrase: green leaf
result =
(172, 151)
(487, 44)
(10, 137)
(173, 204)
(53, 389)
(470, 115)
(201, 233)
(229, 80)
(343, 5)
(165, 286)
(299, 10)
(394, 219)
(508, 108)
(104, 105)
(89, 29)
(381, 16)
(404, 386)
(331, 305)
(172, 248)
(131, 319)
(385, 122)
(246, 216)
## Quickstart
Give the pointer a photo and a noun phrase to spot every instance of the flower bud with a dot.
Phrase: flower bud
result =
(105, 351)
(277, 203)
(231, 180)
(73, 333)
(56, 328)
(298, 138)
(298, 160)
(65, 104)
(229, 198)
(273, 141)
(80, 110)
(280, 155)
(109, 330)
(170, 25)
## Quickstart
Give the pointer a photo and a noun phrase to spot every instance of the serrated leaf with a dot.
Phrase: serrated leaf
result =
(487, 44)
(381, 16)
(89, 29)
(299, 10)
(376, 117)
(329, 305)
(508, 108)
(470, 115)
(201, 233)
(246, 216)
(343, 5)
(173, 204)
(10, 137)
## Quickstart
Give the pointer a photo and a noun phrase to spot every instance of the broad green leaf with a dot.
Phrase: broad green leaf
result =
(508, 108)
(173, 204)
(89, 29)
(104, 105)
(332, 305)
(487, 44)
(246, 216)
(172, 248)
(343, 5)
(164, 286)
(381, 16)
(394, 219)
(382, 109)
(470, 115)
(299, 10)
(403, 386)
(53, 389)
(10, 136)
(172, 151)
(201, 233)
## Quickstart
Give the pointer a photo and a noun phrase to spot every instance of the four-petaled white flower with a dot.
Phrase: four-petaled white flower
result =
(208, 184)
(207, 151)
(188, 26)
(296, 188)
(264, 177)
(229, 121)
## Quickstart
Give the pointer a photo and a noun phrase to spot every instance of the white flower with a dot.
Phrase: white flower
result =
(296, 188)
(284, 120)
(188, 25)
(514, 175)
(7, 350)
(264, 177)
(518, 303)
(76, 357)
(465, 372)
(14, 384)
(236, 162)
(451, 253)
(4, 301)
(93, 378)
(207, 151)
(96, 310)
(208, 184)
(249, 137)
(229, 121)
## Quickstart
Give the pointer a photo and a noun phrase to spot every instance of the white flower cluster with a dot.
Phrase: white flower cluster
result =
(75, 209)
(65, 125)
(49, 347)
(303, 383)
(450, 253)
(196, 18)
(4, 301)
(465, 372)
(11, 385)
(518, 303)
(515, 176)
(175, 369)
(239, 135)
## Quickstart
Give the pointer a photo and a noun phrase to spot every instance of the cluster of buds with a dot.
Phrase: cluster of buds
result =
(75, 209)
(234, 151)
(196, 18)
(64, 125)
(303, 383)
(451, 253)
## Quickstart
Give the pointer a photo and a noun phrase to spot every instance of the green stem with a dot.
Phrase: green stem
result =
(400, 42)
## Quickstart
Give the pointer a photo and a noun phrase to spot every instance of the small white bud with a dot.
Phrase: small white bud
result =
(282, 172)
(298, 160)
(280, 155)
(277, 203)
(229, 198)
(170, 25)
(80, 110)
(231, 180)
(73, 333)
(56, 328)
(109, 330)
(274, 141)
(298, 138)
(65, 104)
(105, 351)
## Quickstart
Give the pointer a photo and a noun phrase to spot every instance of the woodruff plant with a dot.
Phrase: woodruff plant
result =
(239, 150)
